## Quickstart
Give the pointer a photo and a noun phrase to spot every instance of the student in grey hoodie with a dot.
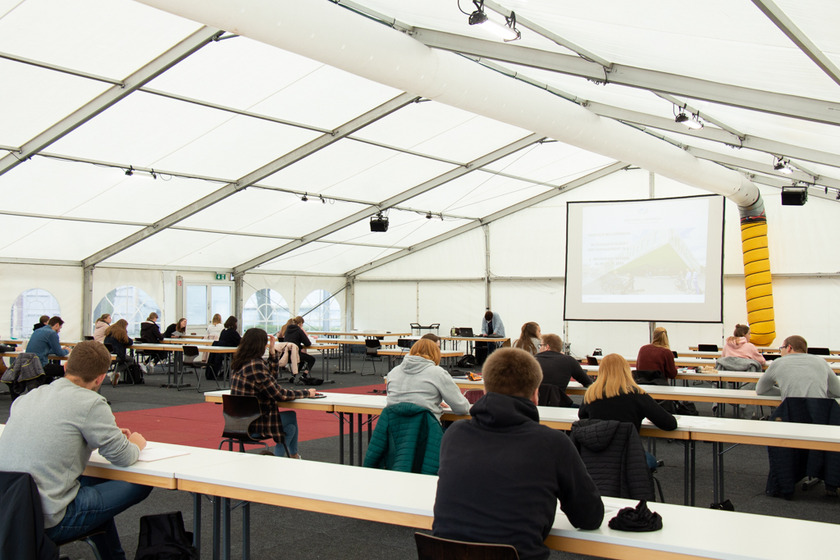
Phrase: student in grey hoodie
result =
(420, 380)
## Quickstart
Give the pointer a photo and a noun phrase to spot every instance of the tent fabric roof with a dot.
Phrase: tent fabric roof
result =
(223, 136)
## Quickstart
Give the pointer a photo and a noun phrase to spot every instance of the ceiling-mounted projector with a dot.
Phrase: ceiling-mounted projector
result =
(379, 222)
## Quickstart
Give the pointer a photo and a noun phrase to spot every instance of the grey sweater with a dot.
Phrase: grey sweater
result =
(51, 433)
(419, 381)
(800, 375)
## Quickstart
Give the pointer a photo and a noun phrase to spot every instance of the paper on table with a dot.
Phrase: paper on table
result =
(155, 452)
(152, 452)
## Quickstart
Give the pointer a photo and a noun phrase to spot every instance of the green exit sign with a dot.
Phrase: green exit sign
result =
(221, 277)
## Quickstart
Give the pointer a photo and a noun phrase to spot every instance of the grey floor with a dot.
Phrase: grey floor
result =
(291, 534)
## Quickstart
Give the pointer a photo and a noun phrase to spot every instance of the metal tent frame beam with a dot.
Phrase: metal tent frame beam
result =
(816, 110)
(109, 97)
(784, 23)
(571, 185)
(286, 160)
(390, 202)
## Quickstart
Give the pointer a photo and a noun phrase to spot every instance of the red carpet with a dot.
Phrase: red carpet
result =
(201, 425)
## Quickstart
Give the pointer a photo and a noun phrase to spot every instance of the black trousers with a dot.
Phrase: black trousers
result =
(307, 361)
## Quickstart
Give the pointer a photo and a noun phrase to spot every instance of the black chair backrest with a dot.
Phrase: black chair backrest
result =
(819, 351)
(707, 347)
(19, 494)
(372, 345)
(190, 351)
(88, 337)
(436, 548)
(239, 411)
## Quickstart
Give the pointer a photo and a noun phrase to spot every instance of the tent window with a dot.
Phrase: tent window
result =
(205, 300)
(129, 303)
(28, 308)
(266, 309)
(321, 311)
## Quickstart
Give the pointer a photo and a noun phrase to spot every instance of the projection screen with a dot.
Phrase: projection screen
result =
(645, 260)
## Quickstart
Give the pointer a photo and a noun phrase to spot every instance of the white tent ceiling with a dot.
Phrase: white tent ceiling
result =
(225, 135)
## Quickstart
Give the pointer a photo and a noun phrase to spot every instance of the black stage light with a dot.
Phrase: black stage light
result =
(379, 223)
(794, 196)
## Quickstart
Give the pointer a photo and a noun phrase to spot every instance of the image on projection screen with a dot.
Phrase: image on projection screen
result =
(645, 260)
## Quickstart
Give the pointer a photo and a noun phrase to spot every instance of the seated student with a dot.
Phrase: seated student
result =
(117, 337)
(502, 473)
(558, 367)
(42, 322)
(739, 346)
(176, 330)
(79, 421)
(615, 396)
(799, 374)
(433, 337)
(44, 342)
(296, 335)
(254, 376)
(100, 326)
(657, 355)
(420, 380)
(529, 338)
(150, 333)
(282, 332)
(229, 337)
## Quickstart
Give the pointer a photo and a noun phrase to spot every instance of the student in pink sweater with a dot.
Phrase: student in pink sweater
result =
(739, 346)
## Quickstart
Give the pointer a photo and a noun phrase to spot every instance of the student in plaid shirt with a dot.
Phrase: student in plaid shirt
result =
(252, 375)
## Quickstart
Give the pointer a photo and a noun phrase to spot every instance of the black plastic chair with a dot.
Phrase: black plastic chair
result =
(191, 361)
(240, 411)
(372, 346)
(430, 547)
(21, 486)
(707, 348)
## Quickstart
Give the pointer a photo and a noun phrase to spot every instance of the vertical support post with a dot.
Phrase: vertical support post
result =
(350, 304)
(87, 300)
(487, 297)
(238, 304)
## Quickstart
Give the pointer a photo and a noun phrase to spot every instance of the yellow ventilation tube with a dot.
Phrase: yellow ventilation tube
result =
(760, 313)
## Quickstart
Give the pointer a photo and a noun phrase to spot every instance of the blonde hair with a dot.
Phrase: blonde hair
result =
(217, 319)
(660, 338)
(426, 348)
(614, 379)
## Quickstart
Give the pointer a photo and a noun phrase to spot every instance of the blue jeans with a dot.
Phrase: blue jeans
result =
(290, 426)
(95, 506)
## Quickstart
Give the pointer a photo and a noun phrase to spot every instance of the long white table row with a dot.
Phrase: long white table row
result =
(408, 500)
(690, 430)
(359, 493)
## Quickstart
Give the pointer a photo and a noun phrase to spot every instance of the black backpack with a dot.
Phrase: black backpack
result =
(163, 537)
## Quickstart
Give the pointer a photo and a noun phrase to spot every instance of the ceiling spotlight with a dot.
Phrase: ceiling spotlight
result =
(153, 174)
(782, 165)
(693, 121)
(304, 198)
(322, 199)
(428, 215)
(507, 32)
(129, 171)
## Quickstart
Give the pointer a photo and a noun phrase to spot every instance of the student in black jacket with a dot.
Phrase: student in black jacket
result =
(502, 473)
(295, 334)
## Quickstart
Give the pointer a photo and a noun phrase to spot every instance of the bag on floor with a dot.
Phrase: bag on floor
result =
(163, 537)
(307, 379)
(467, 361)
(134, 373)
